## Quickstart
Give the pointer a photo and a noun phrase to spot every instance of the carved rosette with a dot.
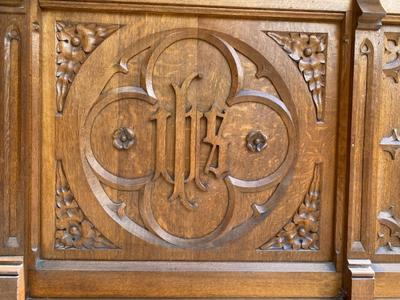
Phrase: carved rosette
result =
(309, 51)
(75, 42)
(392, 55)
(389, 235)
(73, 229)
(302, 232)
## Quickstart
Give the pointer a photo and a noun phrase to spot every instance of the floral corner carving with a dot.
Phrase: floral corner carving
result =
(75, 42)
(389, 234)
(309, 52)
(302, 231)
(73, 229)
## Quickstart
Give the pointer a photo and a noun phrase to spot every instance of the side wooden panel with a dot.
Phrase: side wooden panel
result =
(12, 79)
(388, 206)
(364, 147)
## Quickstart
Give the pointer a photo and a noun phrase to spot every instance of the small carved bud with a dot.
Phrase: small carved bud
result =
(123, 138)
(75, 41)
(256, 141)
(307, 52)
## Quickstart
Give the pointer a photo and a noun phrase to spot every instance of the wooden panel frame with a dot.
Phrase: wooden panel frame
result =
(172, 279)
(341, 17)
(340, 12)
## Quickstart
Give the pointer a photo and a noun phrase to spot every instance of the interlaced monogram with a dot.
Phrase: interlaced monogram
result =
(213, 137)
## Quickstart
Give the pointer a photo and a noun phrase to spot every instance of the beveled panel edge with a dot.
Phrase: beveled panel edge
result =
(184, 266)
(193, 284)
(299, 12)
(318, 5)
(324, 298)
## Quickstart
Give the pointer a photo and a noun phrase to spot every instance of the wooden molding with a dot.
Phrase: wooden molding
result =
(372, 13)
(362, 279)
(12, 284)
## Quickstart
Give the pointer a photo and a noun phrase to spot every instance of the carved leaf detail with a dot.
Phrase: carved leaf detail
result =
(302, 232)
(75, 42)
(73, 229)
(309, 51)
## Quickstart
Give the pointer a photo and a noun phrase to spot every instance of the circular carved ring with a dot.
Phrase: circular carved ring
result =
(220, 235)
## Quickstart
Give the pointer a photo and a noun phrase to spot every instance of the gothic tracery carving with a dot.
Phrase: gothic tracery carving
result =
(392, 55)
(389, 236)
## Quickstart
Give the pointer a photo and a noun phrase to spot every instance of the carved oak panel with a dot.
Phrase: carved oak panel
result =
(387, 211)
(189, 139)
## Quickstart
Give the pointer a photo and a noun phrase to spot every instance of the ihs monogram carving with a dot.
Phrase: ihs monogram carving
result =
(391, 144)
(392, 55)
(75, 42)
(389, 236)
(302, 232)
(213, 138)
(198, 161)
(73, 229)
(309, 51)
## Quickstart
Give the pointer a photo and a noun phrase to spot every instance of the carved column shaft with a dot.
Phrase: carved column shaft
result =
(363, 190)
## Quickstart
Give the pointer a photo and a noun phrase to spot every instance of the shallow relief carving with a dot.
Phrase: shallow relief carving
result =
(75, 42)
(391, 67)
(200, 164)
(73, 229)
(302, 231)
(309, 52)
(389, 233)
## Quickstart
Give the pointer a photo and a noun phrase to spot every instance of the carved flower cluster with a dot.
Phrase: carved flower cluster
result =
(75, 43)
(302, 232)
(73, 230)
(308, 50)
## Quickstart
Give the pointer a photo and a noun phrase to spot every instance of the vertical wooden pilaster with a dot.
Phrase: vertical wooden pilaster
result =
(12, 206)
(363, 192)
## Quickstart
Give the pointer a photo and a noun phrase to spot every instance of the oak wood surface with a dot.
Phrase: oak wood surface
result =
(201, 149)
